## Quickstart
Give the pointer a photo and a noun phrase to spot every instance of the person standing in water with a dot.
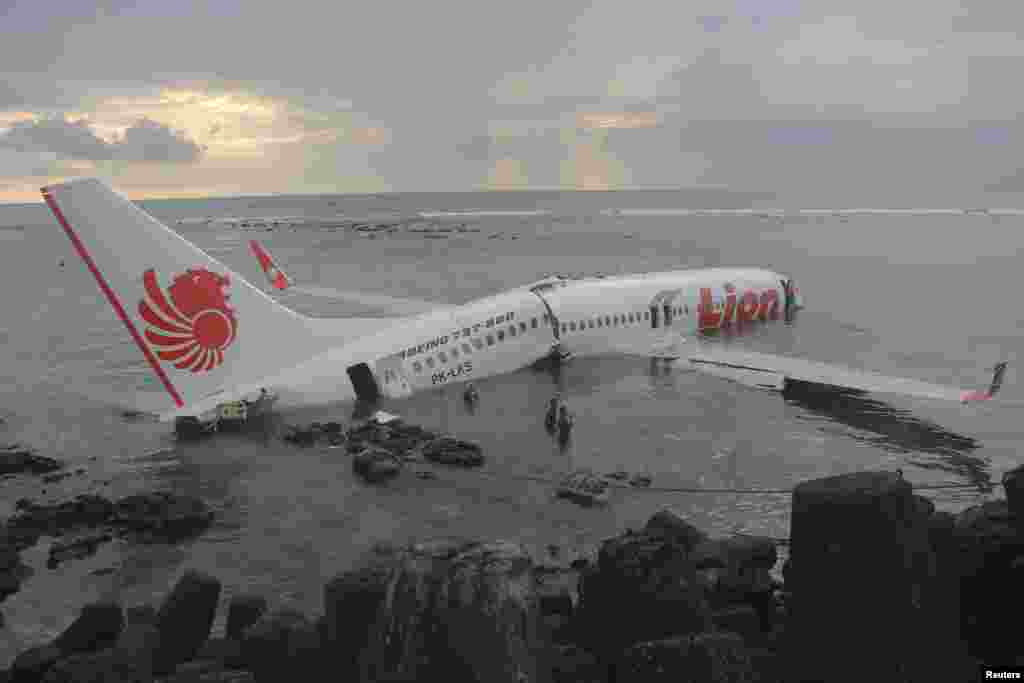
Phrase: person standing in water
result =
(565, 423)
(551, 419)
(470, 395)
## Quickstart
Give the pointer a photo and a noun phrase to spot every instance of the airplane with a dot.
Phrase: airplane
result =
(211, 337)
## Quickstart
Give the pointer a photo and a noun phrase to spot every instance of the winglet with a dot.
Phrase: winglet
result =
(997, 384)
(277, 277)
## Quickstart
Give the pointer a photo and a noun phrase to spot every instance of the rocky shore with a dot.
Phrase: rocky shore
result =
(878, 586)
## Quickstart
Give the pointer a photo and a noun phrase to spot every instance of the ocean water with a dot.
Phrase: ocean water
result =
(925, 296)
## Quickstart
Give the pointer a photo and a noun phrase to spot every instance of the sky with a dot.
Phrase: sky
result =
(839, 100)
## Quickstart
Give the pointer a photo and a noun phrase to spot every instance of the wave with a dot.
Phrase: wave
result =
(483, 214)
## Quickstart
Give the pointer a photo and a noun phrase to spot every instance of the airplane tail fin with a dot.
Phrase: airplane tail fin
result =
(277, 278)
(994, 387)
(203, 328)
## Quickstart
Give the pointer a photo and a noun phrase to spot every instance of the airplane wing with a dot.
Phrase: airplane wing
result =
(773, 372)
(280, 281)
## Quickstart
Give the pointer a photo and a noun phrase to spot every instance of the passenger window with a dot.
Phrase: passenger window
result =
(607, 321)
(466, 348)
(572, 326)
(417, 366)
(686, 309)
(490, 340)
(599, 322)
(647, 315)
(522, 327)
(478, 344)
(590, 323)
(501, 335)
(512, 330)
(455, 353)
(533, 323)
(630, 317)
(430, 362)
(565, 328)
(443, 356)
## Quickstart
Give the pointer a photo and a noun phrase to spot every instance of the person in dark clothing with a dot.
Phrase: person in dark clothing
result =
(551, 419)
(565, 423)
(470, 395)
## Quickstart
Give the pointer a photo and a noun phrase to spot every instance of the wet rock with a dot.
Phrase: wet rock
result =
(332, 428)
(458, 611)
(32, 664)
(281, 643)
(448, 450)
(376, 465)
(658, 660)
(351, 601)
(17, 459)
(740, 619)
(226, 652)
(674, 527)
(55, 477)
(641, 481)
(741, 564)
(848, 557)
(185, 618)
(244, 610)
(76, 548)
(645, 585)
(572, 664)
(82, 511)
(88, 667)
(426, 474)
(302, 436)
(721, 657)
(98, 625)
(163, 515)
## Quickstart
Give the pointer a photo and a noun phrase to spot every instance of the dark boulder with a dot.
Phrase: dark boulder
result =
(451, 451)
(17, 459)
(458, 611)
(98, 626)
(645, 585)
(244, 610)
(185, 618)
(572, 664)
(715, 656)
(82, 511)
(76, 548)
(32, 664)
(281, 643)
(351, 601)
(740, 567)
(673, 527)
(162, 515)
(376, 465)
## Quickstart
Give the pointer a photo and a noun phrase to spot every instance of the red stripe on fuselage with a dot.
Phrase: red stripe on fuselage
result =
(111, 297)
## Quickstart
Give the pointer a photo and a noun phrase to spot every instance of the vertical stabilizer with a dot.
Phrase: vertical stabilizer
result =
(202, 328)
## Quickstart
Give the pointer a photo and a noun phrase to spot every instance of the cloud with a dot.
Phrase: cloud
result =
(153, 142)
(144, 141)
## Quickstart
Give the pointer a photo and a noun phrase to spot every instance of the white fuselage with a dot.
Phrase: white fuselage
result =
(516, 328)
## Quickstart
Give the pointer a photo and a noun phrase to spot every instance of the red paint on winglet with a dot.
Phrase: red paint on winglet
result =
(111, 297)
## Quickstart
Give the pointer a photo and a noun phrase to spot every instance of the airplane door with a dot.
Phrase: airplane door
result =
(364, 382)
(654, 317)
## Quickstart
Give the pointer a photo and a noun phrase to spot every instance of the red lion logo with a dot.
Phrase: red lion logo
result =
(194, 327)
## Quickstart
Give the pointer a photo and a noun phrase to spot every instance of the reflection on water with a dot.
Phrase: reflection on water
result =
(894, 430)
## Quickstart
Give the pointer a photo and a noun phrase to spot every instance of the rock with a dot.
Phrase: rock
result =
(673, 527)
(641, 481)
(376, 465)
(740, 619)
(227, 652)
(572, 664)
(848, 557)
(300, 436)
(451, 451)
(351, 601)
(55, 477)
(742, 567)
(162, 515)
(458, 611)
(76, 548)
(17, 459)
(32, 664)
(645, 585)
(658, 660)
(98, 626)
(244, 610)
(1013, 484)
(185, 618)
(332, 428)
(720, 657)
(280, 644)
(82, 511)
(86, 667)
(136, 647)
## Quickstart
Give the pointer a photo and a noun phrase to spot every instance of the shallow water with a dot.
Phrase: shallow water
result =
(921, 296)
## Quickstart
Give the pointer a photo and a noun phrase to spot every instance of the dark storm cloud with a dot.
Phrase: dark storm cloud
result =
(146, 141)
